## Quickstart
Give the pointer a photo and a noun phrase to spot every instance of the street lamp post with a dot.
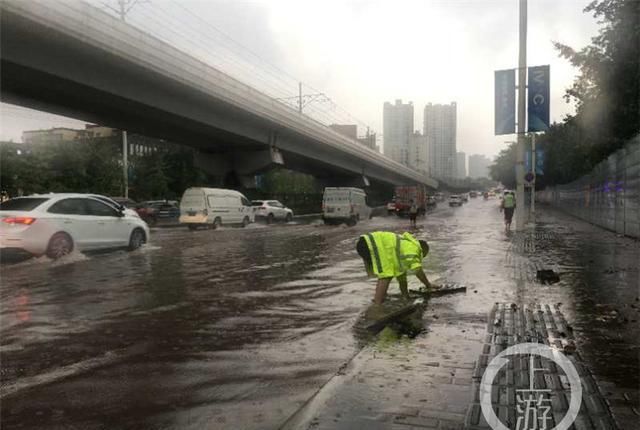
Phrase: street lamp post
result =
(522, 87)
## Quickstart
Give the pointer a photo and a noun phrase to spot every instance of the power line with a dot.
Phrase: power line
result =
(262, 59)
(272, 80)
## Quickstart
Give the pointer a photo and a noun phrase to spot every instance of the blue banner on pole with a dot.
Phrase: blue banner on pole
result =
(539, 162)
(505, 101)
(527, 160)
(538, 99)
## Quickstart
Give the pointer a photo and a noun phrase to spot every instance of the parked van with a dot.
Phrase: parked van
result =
(213, 207)
(344, 204)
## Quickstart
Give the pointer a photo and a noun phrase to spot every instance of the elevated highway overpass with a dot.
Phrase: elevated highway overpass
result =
(73, 59)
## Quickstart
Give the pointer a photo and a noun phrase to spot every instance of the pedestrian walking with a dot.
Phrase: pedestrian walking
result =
(508, 205)
(413, 213)
(388, 255)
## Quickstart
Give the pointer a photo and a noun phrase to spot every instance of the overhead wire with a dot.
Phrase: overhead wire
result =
(334, 116)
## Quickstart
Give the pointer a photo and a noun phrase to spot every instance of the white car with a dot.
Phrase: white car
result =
(271, 210)
(56, 224)
(455, 200)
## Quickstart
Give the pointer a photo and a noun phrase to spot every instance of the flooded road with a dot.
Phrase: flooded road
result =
(238, 328)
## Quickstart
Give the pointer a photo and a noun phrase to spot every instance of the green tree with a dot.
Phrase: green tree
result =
(503, 168)
(607, 91)
(149, 179)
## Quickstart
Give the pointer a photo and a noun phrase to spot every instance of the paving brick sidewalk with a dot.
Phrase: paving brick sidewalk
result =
(509, 325)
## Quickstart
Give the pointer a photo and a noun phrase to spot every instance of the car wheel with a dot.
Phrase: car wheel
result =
(352, 221)
(245, 221)
(137, 239)
(192, 227)
(60, 245)
(270, 218)
(216, 223)
(289, 217)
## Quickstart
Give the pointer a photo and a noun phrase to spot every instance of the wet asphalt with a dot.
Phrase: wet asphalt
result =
(238, 328)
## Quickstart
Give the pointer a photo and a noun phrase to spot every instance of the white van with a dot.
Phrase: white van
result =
(213, 207)
(344, 204)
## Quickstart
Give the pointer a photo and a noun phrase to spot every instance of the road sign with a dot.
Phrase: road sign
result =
(538, 99)
(505, 102)
(529, 177)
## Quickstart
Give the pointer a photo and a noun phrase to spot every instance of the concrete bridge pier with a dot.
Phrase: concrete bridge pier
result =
(238, 168)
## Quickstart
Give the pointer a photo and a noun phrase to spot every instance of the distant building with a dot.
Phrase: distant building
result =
(461, 165)
(418, 158)
(138, 145)
(440, 131)
(57, 134)
(397, 128)
(370, 141)
(349, 130)
(92, 131)
(479, 166)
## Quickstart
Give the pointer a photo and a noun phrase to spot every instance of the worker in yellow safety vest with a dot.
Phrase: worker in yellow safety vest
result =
(508, 206)
(389, 255)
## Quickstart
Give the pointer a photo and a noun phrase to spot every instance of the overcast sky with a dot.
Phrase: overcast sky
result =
(363, 53)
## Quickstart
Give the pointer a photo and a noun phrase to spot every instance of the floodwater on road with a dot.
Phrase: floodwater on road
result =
(232, 328)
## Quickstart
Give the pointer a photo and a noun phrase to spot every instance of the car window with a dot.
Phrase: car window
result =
(22, 204)
(107, 200)
(97, 208)
(245, 202)
(73, 206)
(256, 203)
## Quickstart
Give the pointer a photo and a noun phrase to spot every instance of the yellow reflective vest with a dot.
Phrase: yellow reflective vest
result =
(509, 201)
(392, 254)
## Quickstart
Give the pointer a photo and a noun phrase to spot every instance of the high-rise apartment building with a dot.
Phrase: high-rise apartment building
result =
(418, 158)
(397, 128)
(479, 166)
(461, 165)
(440, 131)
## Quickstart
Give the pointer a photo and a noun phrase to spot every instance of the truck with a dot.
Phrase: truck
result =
(405, 193)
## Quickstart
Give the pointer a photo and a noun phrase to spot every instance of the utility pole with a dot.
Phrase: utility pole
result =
(125, 146)
(533, 183)
(299, 97)
(522, 117)
(124, 6)
(302, 100)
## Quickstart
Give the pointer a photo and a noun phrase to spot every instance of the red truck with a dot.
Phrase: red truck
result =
(403, 194)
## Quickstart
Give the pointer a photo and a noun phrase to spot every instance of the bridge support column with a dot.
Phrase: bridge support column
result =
(239, 168)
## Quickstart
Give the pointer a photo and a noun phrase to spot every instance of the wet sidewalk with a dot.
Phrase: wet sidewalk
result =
(432, 381)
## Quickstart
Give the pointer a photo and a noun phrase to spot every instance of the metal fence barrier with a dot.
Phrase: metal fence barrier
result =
(609, 196)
